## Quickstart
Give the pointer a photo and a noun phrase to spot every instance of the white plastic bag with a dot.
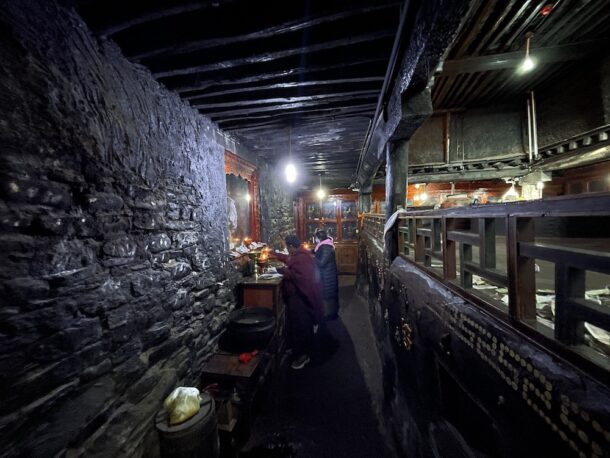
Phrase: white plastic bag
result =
(182, 404)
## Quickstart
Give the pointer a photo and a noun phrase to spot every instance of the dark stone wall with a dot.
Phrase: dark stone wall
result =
(114, 282)
(277, 208)
(453, 371)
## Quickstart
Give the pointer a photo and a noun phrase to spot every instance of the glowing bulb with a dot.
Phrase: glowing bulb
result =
(423, 196)
(248, 197)
(320, 194)
(291, 173)
(540, 185)
(528, 64)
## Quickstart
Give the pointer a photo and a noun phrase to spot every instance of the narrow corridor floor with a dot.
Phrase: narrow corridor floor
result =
(323, 410)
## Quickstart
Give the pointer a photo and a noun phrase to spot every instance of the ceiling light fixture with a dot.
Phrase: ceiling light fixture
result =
(320, 194)
(528, 63)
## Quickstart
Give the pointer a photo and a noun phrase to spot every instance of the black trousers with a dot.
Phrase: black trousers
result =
(300, 326)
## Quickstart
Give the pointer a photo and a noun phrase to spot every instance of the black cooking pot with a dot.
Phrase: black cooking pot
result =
(248, 329)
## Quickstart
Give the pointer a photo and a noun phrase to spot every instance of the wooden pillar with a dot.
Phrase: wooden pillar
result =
(397, 155)
(364, 199)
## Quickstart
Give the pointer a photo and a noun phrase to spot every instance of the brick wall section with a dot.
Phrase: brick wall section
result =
(114, 282)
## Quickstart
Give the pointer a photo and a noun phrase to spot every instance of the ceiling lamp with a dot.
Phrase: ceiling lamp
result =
(320, 194)
(291, 170)
(291, 173)
(248, 197)
(528, 63)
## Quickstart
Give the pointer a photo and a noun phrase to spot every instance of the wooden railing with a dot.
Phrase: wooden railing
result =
(373, 225)
(515, 259)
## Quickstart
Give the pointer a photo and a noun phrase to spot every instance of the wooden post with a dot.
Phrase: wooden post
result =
(449, 257)
(396, 188)
(569, 284)
(487, 243)
(521, 270)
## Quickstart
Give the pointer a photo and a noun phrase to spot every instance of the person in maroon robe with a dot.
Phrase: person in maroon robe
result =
(302, 292)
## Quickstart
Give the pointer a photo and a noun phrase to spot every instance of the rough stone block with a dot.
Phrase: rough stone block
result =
(162, 351)
(149, 201)
(23, 290)
(86, 226)
(198, 257)
(155, 335)
(126, 351)
(139, 390)
(177, 270)
(82, 333)
(180, 225)
(204, 281)
(158, 242)
(103, 202)
(95, 371)
(128, 372)
(67, 421)
(35, 192)
(148, 221)
(180, 299)
(119, 317)
(121, 247)
(185, 239)
(112, 225)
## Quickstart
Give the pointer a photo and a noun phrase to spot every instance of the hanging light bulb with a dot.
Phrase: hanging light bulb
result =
(291, 170)
(248, 197)
(528, 63)
(320, 194)
(291, 173)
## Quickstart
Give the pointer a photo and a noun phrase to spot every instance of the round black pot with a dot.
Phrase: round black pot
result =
(248, 329)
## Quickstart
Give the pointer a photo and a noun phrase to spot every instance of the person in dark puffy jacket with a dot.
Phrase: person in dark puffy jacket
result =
(327, 265)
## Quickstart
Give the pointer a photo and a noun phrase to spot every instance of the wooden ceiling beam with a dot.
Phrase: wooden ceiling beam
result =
(334, 96)
(272, 31)
(189, 68)
(276, 70)
(324, 103)
(285, 85)
(302, 114)
(282, 95)
(276, 124)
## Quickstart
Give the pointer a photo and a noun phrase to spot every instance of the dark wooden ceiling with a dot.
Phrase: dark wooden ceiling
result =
(480, 69)
(305, 76)
(279, 75)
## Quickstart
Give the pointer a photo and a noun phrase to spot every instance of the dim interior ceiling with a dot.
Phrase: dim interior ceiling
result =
(281, 76)
(305, 77)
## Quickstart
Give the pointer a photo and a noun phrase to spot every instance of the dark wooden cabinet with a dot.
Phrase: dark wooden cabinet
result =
(338, 215)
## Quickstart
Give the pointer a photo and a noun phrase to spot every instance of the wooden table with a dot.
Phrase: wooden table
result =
(226, 366)
(237, 379)
(255, 292)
